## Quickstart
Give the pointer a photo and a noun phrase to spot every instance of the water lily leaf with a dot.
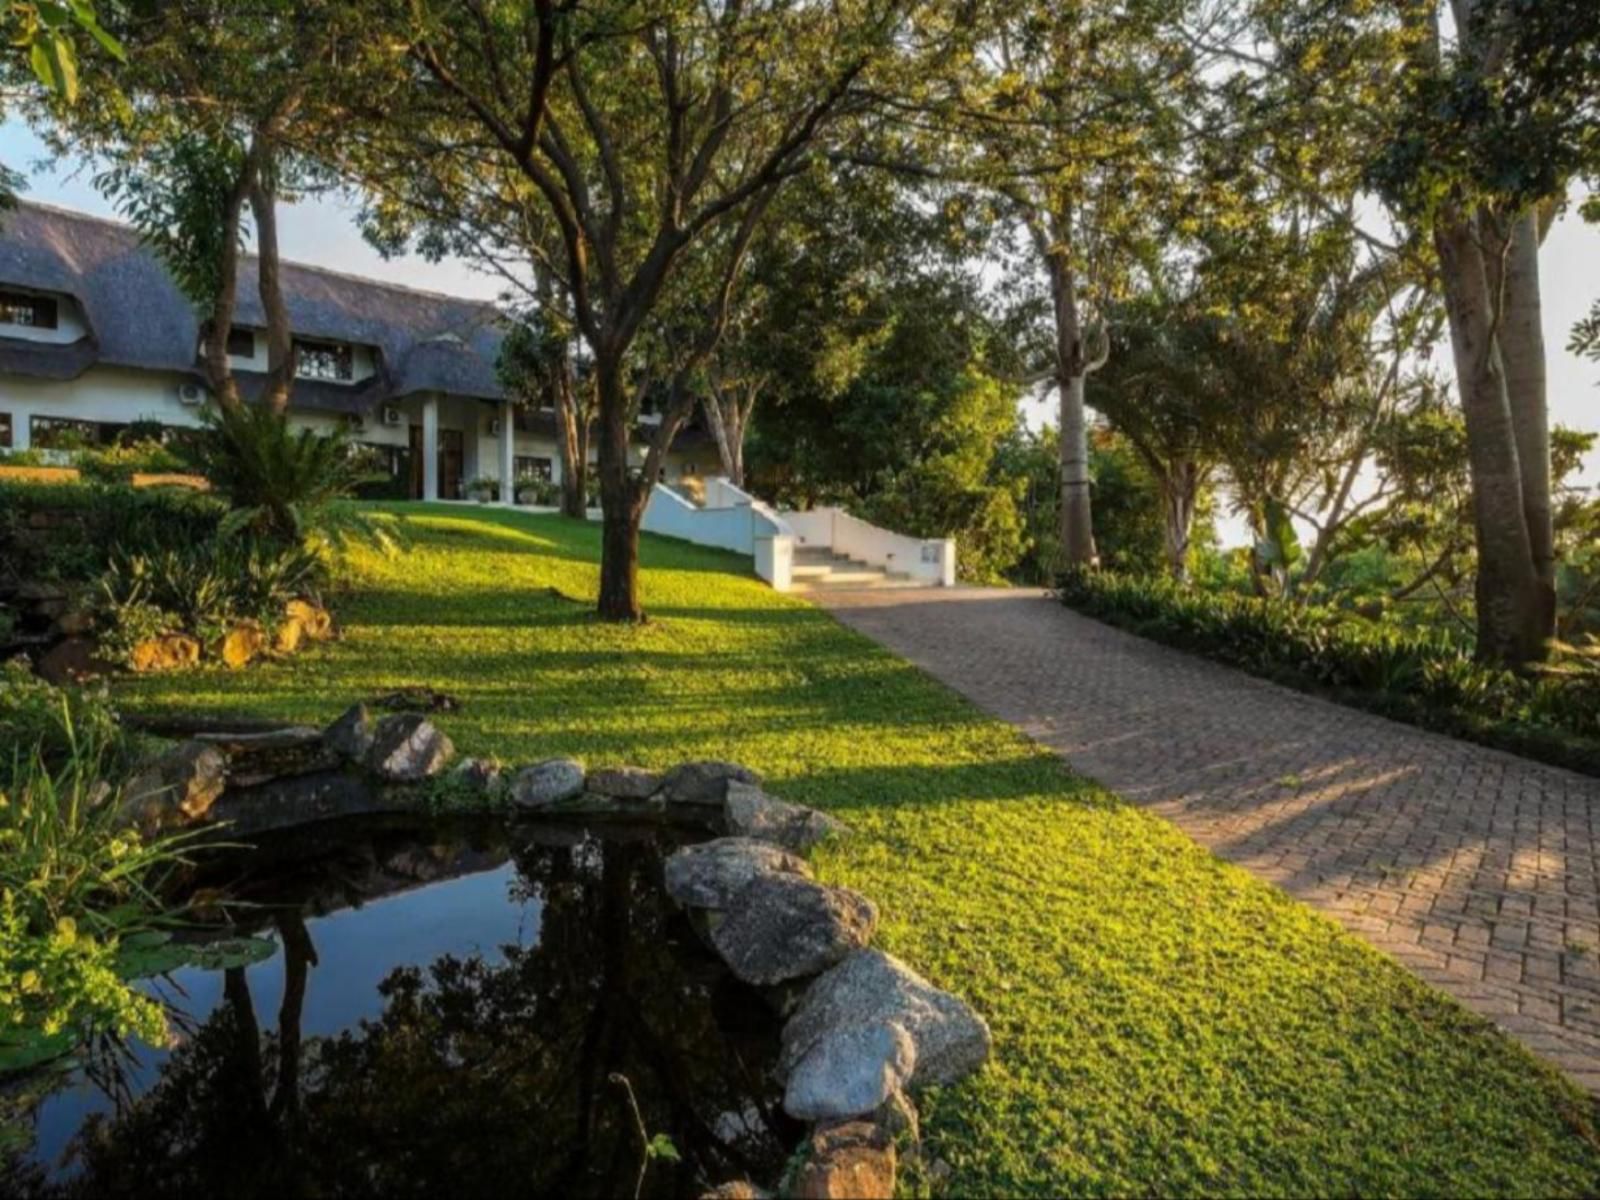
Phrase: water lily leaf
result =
(150, 954)
(29, 1048)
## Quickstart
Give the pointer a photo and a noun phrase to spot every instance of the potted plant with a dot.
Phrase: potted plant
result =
(484, 489)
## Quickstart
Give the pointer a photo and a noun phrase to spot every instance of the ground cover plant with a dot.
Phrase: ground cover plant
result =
(1163, 1023)
(1422, 676)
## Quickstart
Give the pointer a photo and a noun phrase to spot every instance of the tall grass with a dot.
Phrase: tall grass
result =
(78, 893)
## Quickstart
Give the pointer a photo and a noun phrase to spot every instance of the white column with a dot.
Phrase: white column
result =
(508, 454)
(21, 429)
(430, 448)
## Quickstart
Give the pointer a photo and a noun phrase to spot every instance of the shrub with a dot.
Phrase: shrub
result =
(52, 725)
(281, 483)
(1425, 677)
(200, 590)
(119, 464)
(68, 532)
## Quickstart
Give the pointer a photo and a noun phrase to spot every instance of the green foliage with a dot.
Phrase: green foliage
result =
(69, 532)
(201, 590)
(118, 464)
(1423, 676)
(46, 28)
(285, 484)
(52, 725)
(1163, 1023)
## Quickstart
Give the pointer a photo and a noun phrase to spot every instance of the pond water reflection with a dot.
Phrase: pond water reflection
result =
(446, 1013)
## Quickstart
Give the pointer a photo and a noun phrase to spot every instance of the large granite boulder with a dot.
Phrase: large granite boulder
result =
(704, 782)
(711, 874)
(406, 748)
(624, 783)
(546, 783)
(176, 788)
(751, 812)
(784, 926)
(870, 986)
(852, 1073)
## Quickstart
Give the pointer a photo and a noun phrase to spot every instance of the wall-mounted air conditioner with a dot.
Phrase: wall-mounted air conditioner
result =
(191, 394)
(391, 415)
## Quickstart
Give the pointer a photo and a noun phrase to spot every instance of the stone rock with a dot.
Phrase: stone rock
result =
(852, 1074)
(782, 926)
(70, 661)
(314, 620)
(736, 1189)
(869, 986)
(165, 652)
(624, 783)
(853, 1161)
(178, 787)
(416, 699)
(289, 636)
(351, 735)
(257, 756)
(704, 782)
(751, 812)
(710, 874)
(242, 644)
(897, 1117)
(407, 747)
(548, 782)
(480, 773)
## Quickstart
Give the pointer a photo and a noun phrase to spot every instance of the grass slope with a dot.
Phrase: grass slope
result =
(1163, 1023)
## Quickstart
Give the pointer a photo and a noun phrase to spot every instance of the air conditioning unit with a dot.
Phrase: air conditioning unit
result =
(494, 427)
(391, 415)
(191, 394)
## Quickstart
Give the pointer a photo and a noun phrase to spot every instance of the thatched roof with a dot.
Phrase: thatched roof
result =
(138, 317)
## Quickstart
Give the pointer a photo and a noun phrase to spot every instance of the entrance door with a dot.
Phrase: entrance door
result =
(452, 457)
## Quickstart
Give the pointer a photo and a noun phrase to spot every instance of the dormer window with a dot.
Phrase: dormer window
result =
(241, 343)
(324, 360)
(28, 310)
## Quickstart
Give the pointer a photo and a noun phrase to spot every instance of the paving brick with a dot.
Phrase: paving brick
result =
(1478, 871)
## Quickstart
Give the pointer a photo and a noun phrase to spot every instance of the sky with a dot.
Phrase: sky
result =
(323, 232)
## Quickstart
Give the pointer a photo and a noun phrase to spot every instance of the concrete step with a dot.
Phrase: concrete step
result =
(855, 581)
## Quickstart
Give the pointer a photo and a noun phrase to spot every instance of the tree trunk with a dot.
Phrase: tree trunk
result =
(1521, 341)
(214, 343)
(280, 340)
(575, 421)
(1077, 520)
(1509, 597)
(729, 419)
(621, 499)
(1180, 488)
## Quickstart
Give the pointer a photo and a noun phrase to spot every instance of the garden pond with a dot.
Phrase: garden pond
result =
(440, 1008)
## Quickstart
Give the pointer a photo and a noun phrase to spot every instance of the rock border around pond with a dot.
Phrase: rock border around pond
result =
(862, 1028)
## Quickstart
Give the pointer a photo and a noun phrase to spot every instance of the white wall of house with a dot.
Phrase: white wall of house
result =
(121, 396)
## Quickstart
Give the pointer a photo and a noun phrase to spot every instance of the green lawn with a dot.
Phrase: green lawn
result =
(1163, 1023)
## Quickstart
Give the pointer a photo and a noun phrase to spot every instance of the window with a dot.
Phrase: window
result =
(5, 431)
(323, 360)
(528, 469)
(242, 343)
(62, 433)
(24, 308)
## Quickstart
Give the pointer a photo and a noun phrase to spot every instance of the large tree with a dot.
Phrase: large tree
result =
(221, 109)
(655, 133)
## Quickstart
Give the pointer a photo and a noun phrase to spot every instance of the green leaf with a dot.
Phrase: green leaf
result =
(661, 1147)
(32, 1047)
(144, 955)
(55, 64)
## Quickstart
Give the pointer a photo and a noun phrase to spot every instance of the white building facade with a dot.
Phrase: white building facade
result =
(95, 337)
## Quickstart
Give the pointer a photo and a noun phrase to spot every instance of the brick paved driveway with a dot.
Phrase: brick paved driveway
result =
(1476, 869)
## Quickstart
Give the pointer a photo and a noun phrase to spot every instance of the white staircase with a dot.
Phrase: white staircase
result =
(823, 549)
(819, 569)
